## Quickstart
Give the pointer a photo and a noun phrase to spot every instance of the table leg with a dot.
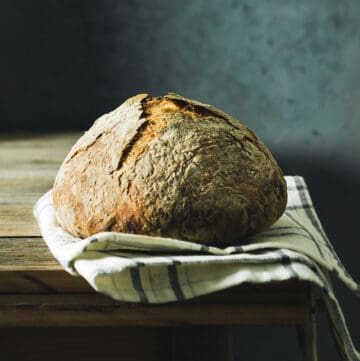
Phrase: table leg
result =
(307, 333)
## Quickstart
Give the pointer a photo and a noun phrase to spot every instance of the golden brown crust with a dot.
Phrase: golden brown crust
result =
(169, 166)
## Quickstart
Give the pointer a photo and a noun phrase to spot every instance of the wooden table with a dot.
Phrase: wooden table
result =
(41, 301)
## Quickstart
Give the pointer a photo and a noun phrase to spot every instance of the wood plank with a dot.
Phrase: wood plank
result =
(80, 310)
(26, 265)
(33, 155)
(17, 220)
(54, 280)
(26, 181)
(16, 211)
(34, 151)
(25, 254)
(28, 166)
(35, 291)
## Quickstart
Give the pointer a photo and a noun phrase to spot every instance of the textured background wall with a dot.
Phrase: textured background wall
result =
(289, 69)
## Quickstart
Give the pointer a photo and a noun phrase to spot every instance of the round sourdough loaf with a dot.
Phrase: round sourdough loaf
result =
(173, 167)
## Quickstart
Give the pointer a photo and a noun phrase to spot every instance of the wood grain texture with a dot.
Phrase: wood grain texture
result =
(34, 151)
(25, 253)
(17, 220)
(28, 165)
(35, 291)
(55, 310)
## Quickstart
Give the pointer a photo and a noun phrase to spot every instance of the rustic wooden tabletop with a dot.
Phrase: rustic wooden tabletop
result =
(36, 291)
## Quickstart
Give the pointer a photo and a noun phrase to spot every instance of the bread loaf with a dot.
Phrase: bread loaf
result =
(169, 166)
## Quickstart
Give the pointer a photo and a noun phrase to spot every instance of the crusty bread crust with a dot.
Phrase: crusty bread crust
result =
(169, 166)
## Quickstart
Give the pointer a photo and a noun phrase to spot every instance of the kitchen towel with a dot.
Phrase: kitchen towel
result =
(138, 268)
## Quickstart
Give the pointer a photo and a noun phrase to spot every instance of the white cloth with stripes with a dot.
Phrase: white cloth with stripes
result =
(139, 268)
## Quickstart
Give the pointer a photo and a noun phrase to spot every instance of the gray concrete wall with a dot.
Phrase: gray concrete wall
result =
(289, 69)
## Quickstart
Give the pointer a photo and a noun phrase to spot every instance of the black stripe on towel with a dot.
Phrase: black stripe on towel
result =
(93, 239)
(287, 263)
(238, 249)
(174, 280)
(302, 206)
(291, 188)
(136, 280)
(204, 248)
(282, 227)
